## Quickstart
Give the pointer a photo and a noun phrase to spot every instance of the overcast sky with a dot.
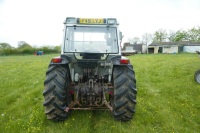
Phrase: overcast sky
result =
(40, 22)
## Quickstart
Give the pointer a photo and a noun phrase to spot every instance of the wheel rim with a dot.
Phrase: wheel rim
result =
(198, 77)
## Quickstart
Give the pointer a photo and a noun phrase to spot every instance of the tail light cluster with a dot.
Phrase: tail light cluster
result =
(59, 60)
(56, 60)
(124, 61)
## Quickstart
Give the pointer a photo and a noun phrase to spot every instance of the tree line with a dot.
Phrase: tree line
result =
(24, 49)
(162, 35)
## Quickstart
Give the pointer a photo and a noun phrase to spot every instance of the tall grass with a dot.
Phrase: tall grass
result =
(168, 97)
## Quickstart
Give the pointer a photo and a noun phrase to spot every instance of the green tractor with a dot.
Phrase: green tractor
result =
(90, 73)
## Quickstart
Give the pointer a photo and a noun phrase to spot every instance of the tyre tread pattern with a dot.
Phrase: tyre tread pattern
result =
(55, 92)
(124, 93)
(197, 76)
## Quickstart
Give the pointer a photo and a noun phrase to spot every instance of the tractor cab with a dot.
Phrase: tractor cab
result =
(90, 38)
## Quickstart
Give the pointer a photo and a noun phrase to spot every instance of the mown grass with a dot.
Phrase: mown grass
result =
(168, 97)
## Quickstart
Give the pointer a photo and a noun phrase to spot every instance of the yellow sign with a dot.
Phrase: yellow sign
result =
(91, 21)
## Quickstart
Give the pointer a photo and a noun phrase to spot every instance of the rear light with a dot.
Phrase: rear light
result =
(56, 60)
(110, 92)
(124, 61)
(71, 92)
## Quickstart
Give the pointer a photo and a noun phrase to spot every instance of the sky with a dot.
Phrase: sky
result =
(40, 22)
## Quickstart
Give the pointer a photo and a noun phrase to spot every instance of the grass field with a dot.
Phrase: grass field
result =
(168, 98)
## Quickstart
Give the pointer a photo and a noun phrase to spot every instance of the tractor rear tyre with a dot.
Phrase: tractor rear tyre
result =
(197, 76)
(125, 91)
(55, 93)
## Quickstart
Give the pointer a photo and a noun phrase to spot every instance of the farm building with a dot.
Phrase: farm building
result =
(141, 48)
(191, 47)
(134, 48)
(174, 47)
(127, 49)
(163, 47)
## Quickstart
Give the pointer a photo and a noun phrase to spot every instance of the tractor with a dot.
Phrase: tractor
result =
(90, 73)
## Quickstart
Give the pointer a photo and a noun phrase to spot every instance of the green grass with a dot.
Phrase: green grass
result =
(168, 98)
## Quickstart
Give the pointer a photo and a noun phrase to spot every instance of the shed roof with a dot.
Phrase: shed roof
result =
(175, 43)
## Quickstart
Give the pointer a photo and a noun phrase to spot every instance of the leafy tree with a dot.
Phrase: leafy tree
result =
(171, 36)
(134, 40)
(181, 35)
(146, 38)
(160, 36)
(46, 49)
(5, 46)
(194, 34)
(57, 49)
(24, 45)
